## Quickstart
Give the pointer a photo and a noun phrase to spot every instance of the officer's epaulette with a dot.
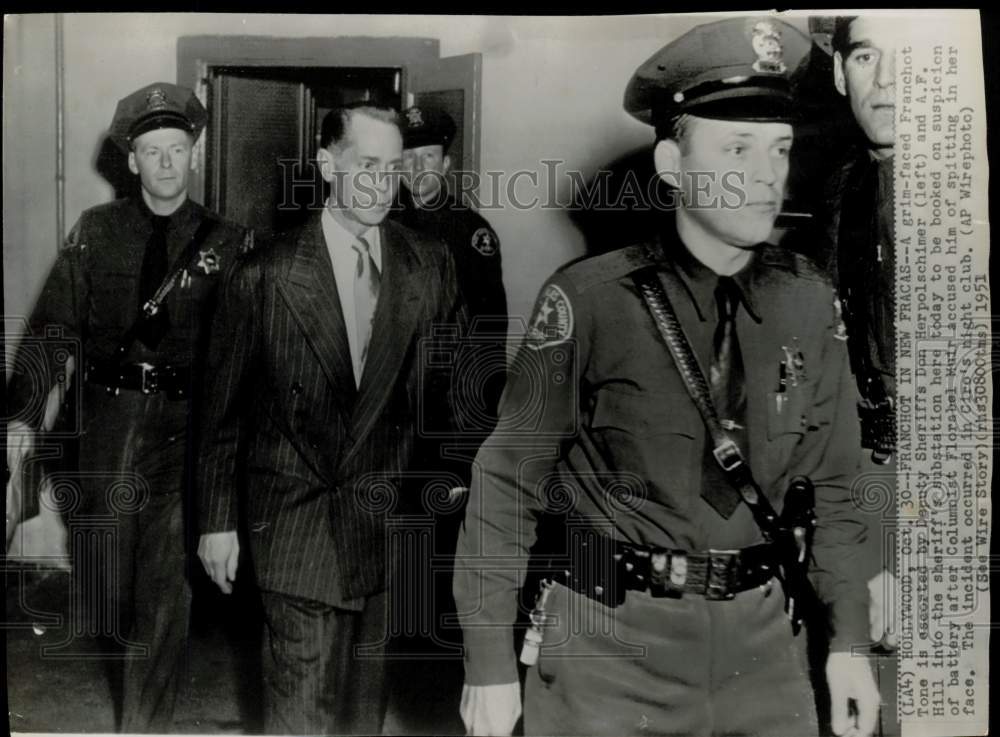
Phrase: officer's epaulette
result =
(794, 262)
(591, 271)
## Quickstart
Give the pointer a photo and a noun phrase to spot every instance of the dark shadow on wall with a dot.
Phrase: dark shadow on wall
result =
(112, 164)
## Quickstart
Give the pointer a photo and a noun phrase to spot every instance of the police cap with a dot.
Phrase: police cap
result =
(159, 105)
(737, 69)
(425, 126)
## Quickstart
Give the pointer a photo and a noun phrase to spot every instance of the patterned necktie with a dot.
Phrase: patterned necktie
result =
(727, 384)
(366, 287)
(154, 271)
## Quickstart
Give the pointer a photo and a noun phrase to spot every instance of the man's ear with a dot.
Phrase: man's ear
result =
(326, 161)
(132, 166)
(839, 80)
(667, 158)
(446, 164)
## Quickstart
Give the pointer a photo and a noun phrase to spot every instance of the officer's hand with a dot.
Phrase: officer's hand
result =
(20, 444)
(219, 553)
(491, 710)
(882, 609)
(850, 678)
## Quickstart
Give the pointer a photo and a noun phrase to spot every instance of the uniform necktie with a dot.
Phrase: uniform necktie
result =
(366, 288)
(154, 271)
(727, 385)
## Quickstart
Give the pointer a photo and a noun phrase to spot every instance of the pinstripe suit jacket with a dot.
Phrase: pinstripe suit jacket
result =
(321, 460)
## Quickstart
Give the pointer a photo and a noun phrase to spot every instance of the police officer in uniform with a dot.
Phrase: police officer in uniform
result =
(666, 617)
(859, 250)
(134, 287)
(425, 205)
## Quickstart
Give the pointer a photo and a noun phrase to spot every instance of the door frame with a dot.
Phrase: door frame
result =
(196, 55)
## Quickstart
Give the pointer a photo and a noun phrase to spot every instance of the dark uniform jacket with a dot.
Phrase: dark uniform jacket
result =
(324, 458)
(869, 264)
(474, 246)
(91, 296)
(596, 421)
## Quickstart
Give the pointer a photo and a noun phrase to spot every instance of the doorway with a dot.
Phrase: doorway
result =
(266, 98)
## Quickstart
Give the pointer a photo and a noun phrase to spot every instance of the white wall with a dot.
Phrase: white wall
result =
(552, 89)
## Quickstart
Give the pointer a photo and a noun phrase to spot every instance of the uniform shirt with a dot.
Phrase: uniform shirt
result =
(344, 257)
(91, 296)
(596, 421)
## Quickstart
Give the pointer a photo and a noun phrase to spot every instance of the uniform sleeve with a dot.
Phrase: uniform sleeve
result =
(538, 418)
(230, 365)
(56, 330)
(829, 455)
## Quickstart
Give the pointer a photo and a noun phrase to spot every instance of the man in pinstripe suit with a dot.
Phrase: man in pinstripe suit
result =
(312, 408)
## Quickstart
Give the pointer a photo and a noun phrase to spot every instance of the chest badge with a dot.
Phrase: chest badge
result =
(484, 242)
(208, 261)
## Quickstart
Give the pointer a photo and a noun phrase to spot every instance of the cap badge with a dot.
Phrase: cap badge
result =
(156, 99)
(414, 117)
(766, 41)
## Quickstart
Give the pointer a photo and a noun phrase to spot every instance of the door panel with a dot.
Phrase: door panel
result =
(454, 84)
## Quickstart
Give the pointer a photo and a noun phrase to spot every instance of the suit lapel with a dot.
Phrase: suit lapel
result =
(401, 294)
(310, 290)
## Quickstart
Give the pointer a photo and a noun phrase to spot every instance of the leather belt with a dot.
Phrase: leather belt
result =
(604, 569)
(174, 381)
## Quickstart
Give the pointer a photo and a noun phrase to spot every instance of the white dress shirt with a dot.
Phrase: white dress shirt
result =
(340, 244)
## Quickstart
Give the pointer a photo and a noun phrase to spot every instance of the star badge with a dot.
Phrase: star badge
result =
(208, 261)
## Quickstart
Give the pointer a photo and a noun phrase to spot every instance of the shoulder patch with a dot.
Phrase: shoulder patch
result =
(552, 322)
(485, 241)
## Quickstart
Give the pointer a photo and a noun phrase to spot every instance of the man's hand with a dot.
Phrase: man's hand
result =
(219, 553)
(491, 710)
(20, 445)
(851, 678)
(882, 609)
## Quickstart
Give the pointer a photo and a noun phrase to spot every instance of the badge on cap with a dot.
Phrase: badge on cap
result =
(414, 117)
(553, 321)
(484, 242)
(156, 99)
(766, 41)
(208, 261)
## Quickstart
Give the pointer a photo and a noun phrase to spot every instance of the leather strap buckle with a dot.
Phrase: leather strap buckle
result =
(719, 583)
(728, 455)
(148, 381)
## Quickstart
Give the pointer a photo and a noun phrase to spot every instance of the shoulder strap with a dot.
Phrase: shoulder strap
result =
(727, 453)
(152, 306)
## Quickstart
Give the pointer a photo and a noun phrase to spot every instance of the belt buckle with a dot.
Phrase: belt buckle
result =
(728, 455)
(718, 577)
(148, 383)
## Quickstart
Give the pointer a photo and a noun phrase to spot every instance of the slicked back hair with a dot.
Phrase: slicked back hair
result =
(337, 122)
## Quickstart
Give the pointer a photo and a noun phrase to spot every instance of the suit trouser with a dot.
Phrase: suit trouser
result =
(130, 582)
(671, 666)
(324, 667)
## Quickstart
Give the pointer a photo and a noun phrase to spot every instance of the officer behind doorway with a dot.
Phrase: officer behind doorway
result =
(618, 445)
(136, 286)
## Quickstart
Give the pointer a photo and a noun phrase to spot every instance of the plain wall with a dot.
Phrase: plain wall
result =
(552, 89)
